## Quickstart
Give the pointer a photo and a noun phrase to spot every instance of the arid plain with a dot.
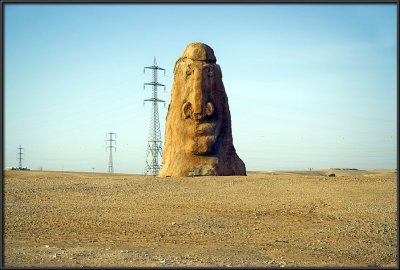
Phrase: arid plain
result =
(264, 219)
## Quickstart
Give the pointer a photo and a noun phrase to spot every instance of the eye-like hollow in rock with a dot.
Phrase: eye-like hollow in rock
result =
(209, 109)
(187, 110)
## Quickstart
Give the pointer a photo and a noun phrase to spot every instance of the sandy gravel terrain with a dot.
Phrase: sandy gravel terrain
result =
(263, 219)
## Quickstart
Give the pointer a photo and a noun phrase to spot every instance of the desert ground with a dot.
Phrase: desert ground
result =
(267, 219)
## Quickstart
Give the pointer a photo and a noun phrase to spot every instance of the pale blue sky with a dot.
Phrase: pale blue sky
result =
(309, 85)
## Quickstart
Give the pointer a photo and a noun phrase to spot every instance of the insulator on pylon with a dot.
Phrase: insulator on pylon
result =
(144, 71)
(164, 72)
(164, 88)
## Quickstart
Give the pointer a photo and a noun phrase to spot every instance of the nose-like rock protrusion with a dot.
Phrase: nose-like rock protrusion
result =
(198, 101)
(188, 112)
(197, 116)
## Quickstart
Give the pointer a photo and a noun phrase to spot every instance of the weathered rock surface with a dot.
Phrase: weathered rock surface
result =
(198, 133)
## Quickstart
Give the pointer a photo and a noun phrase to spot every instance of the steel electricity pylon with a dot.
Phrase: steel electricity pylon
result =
(154, 146)
(111, 144)
(20, 158)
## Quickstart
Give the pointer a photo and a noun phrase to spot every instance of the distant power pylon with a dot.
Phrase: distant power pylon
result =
(154, 147)
(20, 158)
(110, 141)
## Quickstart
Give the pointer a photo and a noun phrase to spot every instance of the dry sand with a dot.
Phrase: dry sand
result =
(263, 219)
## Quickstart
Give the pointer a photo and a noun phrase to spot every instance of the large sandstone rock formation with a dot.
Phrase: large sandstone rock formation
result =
(198, 134)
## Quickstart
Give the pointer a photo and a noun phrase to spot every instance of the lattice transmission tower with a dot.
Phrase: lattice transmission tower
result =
(111, 144)
(20, 158)
(154, 146)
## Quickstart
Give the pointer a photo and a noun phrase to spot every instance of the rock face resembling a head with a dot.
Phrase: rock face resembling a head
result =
(198, 133)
